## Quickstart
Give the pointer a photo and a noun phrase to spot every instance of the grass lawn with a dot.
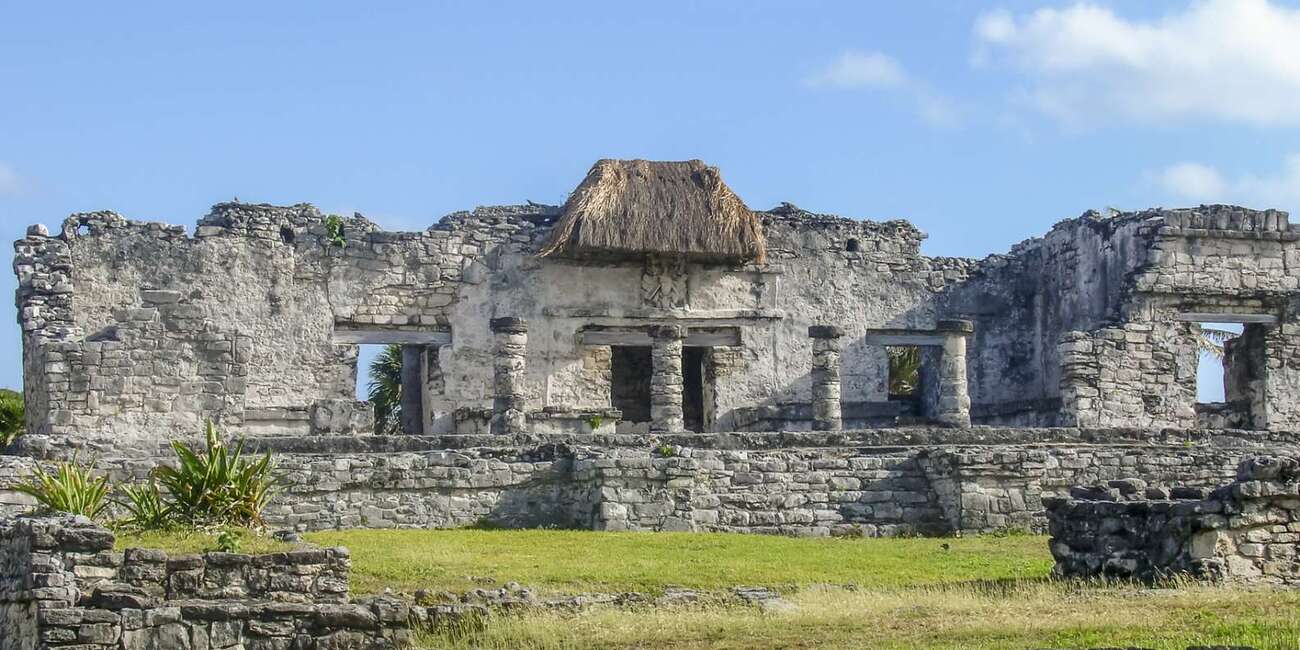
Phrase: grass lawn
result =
(563, 561)
(979, 592)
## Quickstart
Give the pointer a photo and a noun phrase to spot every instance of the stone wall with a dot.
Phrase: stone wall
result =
(137, 330)
(63, 585)
(1022, 302)
(868, 482)
(1135, 375)
(292, 305)
(1247, 530)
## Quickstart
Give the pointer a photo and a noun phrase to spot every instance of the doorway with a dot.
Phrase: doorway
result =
(629, 390)
(694, 400)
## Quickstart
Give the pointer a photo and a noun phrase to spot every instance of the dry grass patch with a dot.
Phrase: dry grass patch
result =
(975, 616)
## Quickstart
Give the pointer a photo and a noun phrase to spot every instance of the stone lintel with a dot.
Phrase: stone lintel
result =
(667, 332)
(825, 331)
(509, 324)
(957, 325)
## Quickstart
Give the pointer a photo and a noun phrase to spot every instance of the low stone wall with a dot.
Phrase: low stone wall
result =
(63, 585)
(867, 482)
(1247, 530)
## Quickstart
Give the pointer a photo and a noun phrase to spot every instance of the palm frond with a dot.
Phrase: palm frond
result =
(385, 389)
(904, 370)
(1210, 340)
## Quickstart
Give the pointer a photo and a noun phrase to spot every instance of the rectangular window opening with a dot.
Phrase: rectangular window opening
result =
(392, 378)
(1214, 343)
(904, 382)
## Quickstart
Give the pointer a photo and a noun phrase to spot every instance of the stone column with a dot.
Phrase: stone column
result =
(826, 377)
(953, 406)
(666, 379)
(511, 343)
(413, 389)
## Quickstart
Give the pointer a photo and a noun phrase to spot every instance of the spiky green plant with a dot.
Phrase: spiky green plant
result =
(217, 486)
(385, 389)
(145, 506)
(71, 487)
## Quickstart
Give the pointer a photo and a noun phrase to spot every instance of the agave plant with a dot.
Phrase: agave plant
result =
(145, 506)
(71, 487)
(217, 485)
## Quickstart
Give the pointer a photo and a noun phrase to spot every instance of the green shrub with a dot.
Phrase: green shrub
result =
(217, 486)
(145, 506)
(71, 487)
(334, 231)
(228, 541)
(11, 416)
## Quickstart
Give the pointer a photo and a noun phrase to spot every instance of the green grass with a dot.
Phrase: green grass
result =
(981, 593)
(191, 541)
(577, 561)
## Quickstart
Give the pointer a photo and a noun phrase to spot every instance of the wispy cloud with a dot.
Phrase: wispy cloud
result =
(1191, 180)
(1235, 61)
(1199, 182)
(10, 183)
(854, 70)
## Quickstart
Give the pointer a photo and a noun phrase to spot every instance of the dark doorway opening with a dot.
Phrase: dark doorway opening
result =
(693, 388)
(629, 391)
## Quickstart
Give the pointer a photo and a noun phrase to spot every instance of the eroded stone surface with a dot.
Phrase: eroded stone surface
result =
(61, 584)
(1245, 531)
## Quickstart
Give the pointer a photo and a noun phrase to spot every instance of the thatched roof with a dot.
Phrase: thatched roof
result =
(643, 207)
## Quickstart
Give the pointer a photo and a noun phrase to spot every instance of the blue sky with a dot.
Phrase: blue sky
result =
(982, 123)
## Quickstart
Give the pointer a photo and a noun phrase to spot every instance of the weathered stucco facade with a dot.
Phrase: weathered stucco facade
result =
(535, 323)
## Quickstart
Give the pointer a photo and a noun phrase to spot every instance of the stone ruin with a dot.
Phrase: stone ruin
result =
(1245, 531)
(63, 586)
(655, 355)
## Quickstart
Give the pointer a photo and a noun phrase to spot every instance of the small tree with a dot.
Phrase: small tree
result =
(11, 416)
(385, 389)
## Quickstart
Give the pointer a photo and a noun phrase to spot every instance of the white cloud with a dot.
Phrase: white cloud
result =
(874, 70)
(861, 69)
(10, 184)
(1230, 60)
(1192, 181)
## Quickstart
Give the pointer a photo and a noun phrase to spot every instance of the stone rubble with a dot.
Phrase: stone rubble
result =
(1245, 531)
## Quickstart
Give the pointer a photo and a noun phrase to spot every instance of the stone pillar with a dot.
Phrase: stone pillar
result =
(953, 405)
(666, 379)
(511, 343)
(413, 389)
(826, 377)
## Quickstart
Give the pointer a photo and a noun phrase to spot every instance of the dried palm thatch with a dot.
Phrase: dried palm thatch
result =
(657, 208)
